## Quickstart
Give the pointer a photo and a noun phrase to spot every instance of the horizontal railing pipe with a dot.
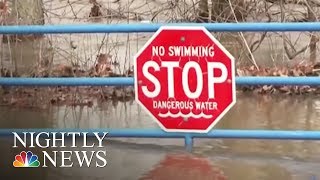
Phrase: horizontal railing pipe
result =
(80, 81)
(152, 27)
(158, 133)
(129, 81)
(277, 80)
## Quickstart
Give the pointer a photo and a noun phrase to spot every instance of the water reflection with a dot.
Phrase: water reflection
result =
(248, 159)
(130, 161)
(263, 112)
(184, 167)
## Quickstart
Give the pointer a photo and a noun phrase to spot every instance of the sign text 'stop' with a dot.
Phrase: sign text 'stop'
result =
(185, 79)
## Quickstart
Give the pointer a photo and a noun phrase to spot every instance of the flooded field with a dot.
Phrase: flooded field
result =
(145, 158)
(135, 158)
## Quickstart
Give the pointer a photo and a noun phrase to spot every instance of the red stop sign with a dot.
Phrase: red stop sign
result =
(185, 79)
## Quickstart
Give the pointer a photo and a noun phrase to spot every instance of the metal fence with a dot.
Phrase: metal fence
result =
(123, 81)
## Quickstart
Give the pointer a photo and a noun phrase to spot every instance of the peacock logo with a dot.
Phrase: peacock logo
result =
(26, 159)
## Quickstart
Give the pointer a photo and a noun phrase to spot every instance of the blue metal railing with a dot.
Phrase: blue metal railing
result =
(146, 27)
(129, 81)
(122, 81)
(158, 133)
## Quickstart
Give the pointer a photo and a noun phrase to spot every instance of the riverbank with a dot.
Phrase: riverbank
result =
(43, 97)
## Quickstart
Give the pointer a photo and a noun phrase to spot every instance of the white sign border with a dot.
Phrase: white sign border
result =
(136, 83)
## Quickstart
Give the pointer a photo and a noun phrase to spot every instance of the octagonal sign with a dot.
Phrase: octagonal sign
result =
(185, 79)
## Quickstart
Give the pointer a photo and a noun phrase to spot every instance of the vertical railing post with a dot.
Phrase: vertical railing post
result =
(188, 142)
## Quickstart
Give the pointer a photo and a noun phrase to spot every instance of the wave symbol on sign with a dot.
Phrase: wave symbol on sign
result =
(179, 114)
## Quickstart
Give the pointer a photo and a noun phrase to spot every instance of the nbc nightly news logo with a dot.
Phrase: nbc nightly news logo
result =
(61, 158)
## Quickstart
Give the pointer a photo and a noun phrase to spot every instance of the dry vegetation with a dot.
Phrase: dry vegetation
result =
(257, 54)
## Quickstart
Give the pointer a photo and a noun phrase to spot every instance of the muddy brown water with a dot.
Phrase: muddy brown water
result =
(134, 158)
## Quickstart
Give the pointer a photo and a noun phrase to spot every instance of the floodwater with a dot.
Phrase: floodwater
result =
(136, 158)
(151, 158)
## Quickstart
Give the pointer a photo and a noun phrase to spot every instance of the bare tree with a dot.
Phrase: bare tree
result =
(267, 11)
